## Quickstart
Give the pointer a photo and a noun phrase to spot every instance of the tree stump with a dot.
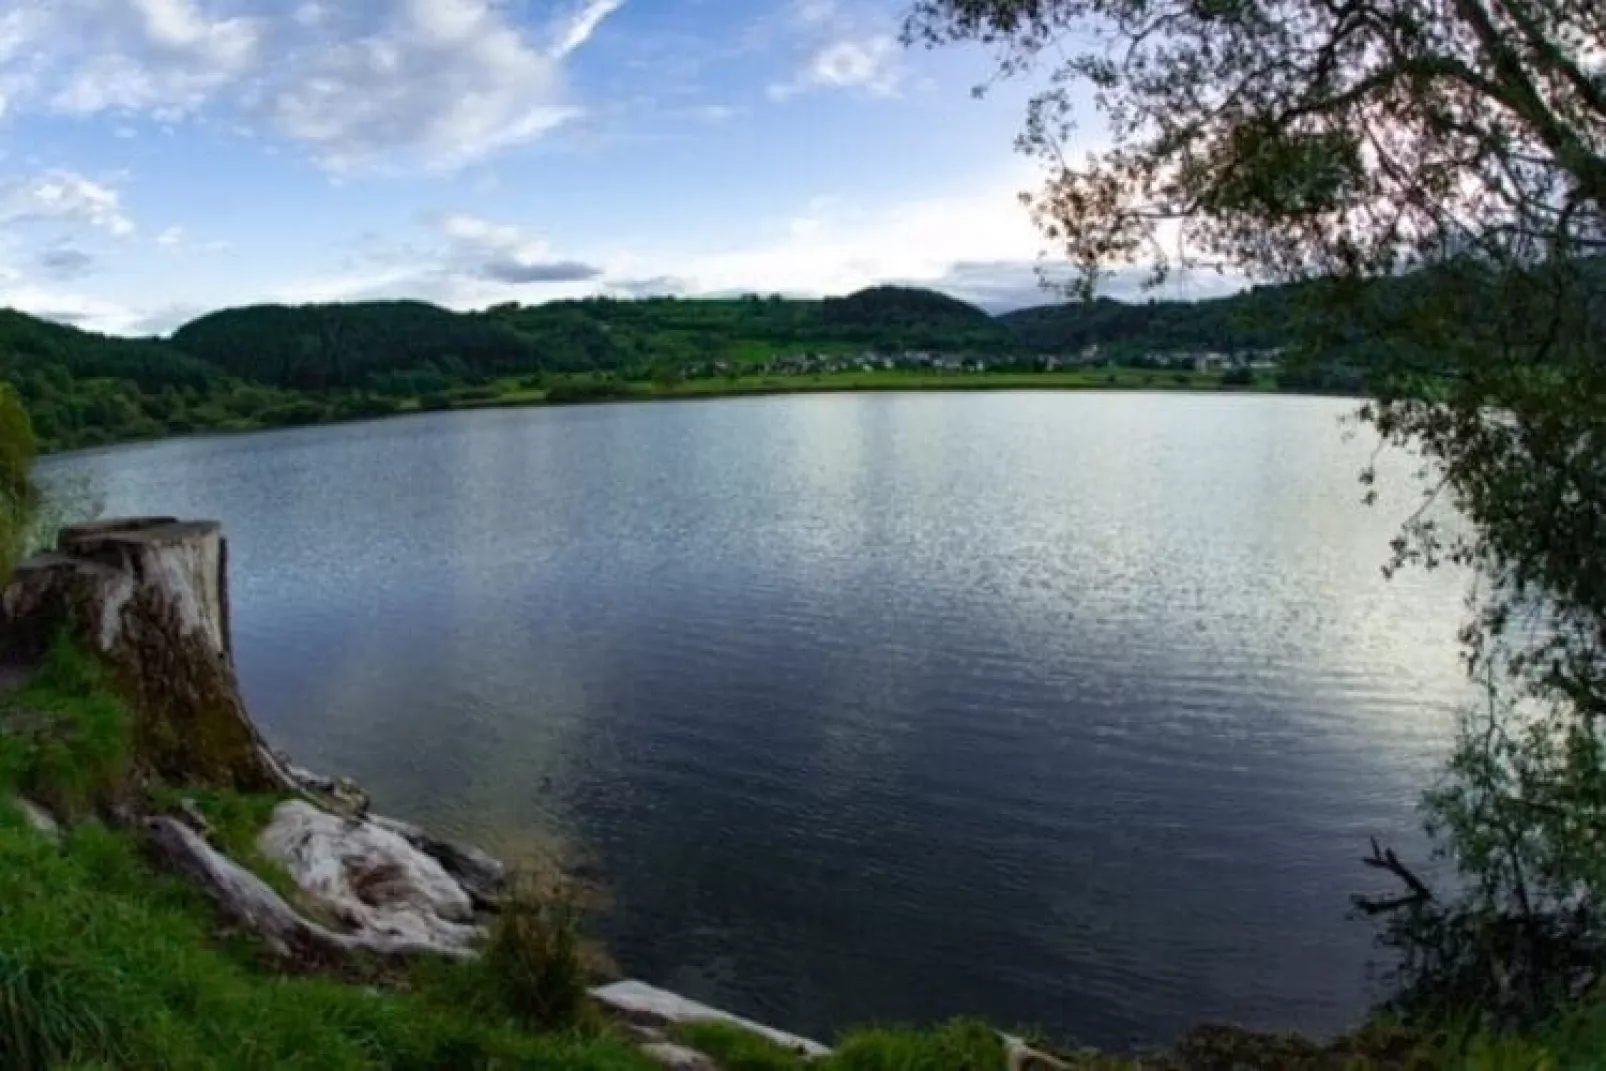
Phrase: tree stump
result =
(149, 595)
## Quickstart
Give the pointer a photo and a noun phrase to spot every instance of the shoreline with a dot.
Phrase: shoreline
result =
(979, 383)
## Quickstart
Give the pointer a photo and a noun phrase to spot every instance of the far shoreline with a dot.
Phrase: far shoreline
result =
(1125, 381)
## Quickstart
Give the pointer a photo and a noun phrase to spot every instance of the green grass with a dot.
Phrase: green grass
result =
(104, 960)
(962, 1045)
(237, 821)
(107, 962)
(64, 741)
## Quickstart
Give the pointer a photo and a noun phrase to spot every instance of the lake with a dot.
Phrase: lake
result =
(1065, 709)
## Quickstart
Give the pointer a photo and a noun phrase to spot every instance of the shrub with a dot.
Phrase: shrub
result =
(533, 956)
(433, 402)
(474, 394)
(293, 414)
(586, 392)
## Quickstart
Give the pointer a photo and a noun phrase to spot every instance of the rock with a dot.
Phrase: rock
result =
(483, 878)
(678, 1057)
(39, 818)
(642, 1003)
(370, 876)
(1020, 1056)
(312, 782)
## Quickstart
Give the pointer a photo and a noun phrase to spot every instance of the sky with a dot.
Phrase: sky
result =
(163, 158)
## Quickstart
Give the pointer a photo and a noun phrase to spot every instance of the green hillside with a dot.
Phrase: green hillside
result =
(323, 347)
(277, 365)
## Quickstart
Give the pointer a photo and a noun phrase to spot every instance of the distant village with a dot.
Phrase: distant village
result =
(814, 364)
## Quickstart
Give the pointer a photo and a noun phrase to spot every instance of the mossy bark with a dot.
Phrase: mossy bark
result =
(149, 596)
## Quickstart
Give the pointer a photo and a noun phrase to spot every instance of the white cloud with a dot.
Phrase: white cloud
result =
(380, 84)
(716, 113)
(814, 12)
(162, 56)
(67, 307)
(508, 254)
(447, 81)
(171, 238)
(583, 23)
(870, 64)
(64, 197)
(310, 14)
(830, 247)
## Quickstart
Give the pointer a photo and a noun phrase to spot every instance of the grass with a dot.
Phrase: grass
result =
(107, 962)
(64, 741)
(237, 820)
(962, 1045)
(103, 960)
(533, 957)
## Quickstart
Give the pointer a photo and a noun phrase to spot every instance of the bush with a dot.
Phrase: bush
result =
(434, 402)
(293, 414)
(1238, 377)
(475, 394)
(357, 406)
(533, 956)
(18, 497)
(564, 393)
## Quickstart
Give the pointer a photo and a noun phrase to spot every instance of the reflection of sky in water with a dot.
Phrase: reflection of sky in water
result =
(1065, 709)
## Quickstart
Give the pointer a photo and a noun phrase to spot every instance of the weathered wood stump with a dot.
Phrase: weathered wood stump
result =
(150, 596)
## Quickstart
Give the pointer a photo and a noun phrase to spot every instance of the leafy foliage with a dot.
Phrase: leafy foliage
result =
(533, 957)
(19, 499)
(321, 347)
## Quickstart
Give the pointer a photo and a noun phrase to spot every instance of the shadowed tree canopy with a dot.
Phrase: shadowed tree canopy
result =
(1286, 137)
(1457, 149)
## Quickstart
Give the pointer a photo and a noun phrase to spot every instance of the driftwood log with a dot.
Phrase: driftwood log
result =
(150, 596)
(249, 902)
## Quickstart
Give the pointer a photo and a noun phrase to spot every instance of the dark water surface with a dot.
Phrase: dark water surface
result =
(1063, 709)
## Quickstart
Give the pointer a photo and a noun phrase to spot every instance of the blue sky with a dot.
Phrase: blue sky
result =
(159, 158)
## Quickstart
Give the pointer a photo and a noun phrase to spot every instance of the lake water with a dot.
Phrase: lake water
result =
(1074, 710)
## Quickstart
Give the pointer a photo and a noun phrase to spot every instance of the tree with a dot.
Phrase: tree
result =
(1455, 149)
(19, 499)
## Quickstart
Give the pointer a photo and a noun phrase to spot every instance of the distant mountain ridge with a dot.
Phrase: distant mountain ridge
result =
(285, 364)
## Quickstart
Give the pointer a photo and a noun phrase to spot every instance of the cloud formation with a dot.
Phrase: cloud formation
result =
(63, 197)
(442, 82)
(505, 253)
(583, 23)
(869, 64)
(389, 83)
(844, 49)
(64, 262)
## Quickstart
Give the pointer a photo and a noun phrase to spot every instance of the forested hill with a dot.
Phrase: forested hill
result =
(276, 364)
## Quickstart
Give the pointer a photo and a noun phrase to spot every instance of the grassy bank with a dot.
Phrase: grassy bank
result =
(559, 389)
(107, 962)
(568, 389)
